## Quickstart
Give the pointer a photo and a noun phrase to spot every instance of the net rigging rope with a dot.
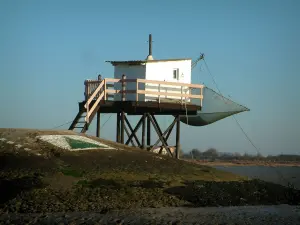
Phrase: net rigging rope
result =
(72, 121)
(243, 131)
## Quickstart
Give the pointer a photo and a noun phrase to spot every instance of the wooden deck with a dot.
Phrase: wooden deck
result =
(112, 96)
(139, 108)
(135, 97)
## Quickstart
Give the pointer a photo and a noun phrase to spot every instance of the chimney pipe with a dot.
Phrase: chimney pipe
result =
(149, 57)
(150, 44)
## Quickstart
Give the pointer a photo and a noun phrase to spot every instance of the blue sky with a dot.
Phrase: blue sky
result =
(48, 49)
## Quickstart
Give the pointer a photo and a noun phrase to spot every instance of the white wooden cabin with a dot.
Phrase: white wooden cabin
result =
(171, 70)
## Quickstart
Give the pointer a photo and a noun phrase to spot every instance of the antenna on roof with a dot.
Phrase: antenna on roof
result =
(150, 57)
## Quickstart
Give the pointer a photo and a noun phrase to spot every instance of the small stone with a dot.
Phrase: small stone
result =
(2, 139)
(27, 149)
(119, 222)
(18, 146)
(10, 142)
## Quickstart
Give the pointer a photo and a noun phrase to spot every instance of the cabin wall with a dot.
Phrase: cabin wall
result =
(131, 72)
(163, 71)
(158, 71)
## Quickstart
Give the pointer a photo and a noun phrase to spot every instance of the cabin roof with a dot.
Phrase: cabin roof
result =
(139, 62)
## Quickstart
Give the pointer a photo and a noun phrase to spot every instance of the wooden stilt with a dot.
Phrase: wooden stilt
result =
(148, 132)
(144, 131)
(98, 124)
(122, 126)
(178, 137)
(118, 128)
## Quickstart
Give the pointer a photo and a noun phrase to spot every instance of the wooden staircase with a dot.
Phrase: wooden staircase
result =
(93, 93)
(79, 122)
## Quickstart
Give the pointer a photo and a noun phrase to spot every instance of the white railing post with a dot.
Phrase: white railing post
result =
(99, 79)
(181, 94)
(158, 93)
(123, 86)
(137, 90)
(104, 89)
(201, 100)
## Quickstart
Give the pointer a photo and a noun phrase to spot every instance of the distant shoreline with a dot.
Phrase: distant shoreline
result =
(244, 163)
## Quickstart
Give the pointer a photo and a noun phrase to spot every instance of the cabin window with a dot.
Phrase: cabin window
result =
(176, 74)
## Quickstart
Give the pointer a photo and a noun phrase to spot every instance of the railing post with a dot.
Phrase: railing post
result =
(137, 90)
(86, 90)
(86, 99)
(105, 97)
(99, 79)
(201, 100)
(123, 113)
(123, 87)
(178, 136)
(181, 94)
(158, 93)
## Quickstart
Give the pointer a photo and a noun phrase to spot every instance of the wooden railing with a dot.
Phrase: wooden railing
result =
(97, 90)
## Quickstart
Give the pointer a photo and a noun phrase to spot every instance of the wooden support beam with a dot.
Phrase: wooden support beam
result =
(128, 134)
(123, 113)
(168, 131)
(98, 124)
(118, 128)
(122, 126)
(148, 132)
(135, 130)
(159, 133)
(178, 137)
(131, 130)
(143, 132)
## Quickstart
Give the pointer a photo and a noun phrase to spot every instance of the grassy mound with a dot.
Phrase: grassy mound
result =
(119, 179)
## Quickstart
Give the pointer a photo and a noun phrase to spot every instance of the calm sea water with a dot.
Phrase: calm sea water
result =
(280, 175)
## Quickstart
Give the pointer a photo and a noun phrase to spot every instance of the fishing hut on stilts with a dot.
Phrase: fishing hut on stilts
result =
(142, 88)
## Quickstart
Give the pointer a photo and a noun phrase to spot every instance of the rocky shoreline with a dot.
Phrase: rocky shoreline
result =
(54, 183)
(244, 163)
(242, 215)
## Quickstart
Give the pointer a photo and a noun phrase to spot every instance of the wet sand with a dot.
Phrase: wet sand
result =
(244, 163)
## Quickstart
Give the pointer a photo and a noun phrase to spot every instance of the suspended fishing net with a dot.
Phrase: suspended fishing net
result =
(214, 107)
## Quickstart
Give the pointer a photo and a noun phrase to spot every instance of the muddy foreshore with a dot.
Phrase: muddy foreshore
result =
(48, 180)
(245, 163)
(242, 215)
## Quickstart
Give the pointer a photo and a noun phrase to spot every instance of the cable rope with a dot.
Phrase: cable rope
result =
(68, 123)
(237, 122)
(106, 121)
(62, 125)
(241, 128)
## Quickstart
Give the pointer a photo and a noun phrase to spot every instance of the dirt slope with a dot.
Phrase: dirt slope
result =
(38, 177)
